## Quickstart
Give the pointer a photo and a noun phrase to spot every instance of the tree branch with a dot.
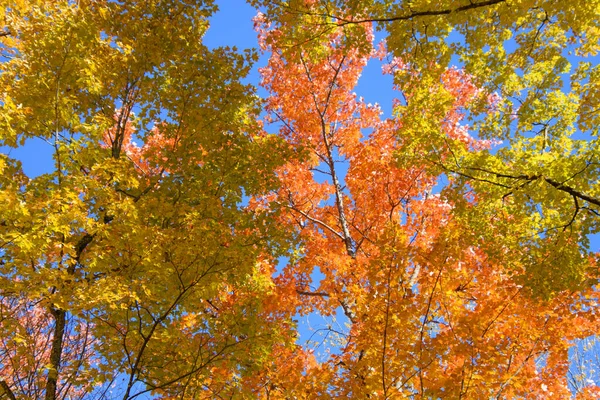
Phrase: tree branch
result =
(572, 192)
(528, 178)
(6, 390)
(316, 221)
(415, 14)
(317, 294)
(55, 352)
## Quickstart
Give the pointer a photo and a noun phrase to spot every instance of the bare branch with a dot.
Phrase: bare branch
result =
(317, 294)
(316, 221)
(412, 15)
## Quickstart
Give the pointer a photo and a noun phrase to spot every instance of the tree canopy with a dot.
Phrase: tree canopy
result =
(187, 223)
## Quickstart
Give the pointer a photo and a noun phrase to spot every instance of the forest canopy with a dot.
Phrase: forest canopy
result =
(189, 220)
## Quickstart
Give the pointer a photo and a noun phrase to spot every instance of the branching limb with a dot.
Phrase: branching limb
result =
(314, 220)
(575, 193)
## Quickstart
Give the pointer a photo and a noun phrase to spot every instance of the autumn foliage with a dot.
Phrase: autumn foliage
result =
(190, 234)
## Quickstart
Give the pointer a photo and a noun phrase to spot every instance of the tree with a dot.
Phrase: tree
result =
(146, 260)
(475, 292)
(533, 60)
(137, 239)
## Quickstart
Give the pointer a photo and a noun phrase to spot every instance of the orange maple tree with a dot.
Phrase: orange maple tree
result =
(428, 308)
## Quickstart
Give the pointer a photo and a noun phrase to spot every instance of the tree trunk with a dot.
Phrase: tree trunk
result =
(55, 352)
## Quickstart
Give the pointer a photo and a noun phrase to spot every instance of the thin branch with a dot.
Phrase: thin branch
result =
(577, 208)
(316, 221)
(487, 328)
(317, 294)
(343, 21)
(385, 330)
(529, 178)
